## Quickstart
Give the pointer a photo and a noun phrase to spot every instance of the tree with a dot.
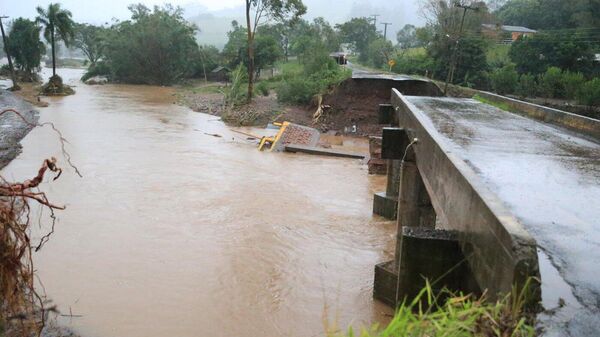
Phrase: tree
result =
(467, 48)
(208, 59)
(25, 46)
(280, 32)
(407, 37)
(551, 14)
(267, 48)
(564, 50)
(380, 52)
(505, 80)
(268, 51)
(89, 39)
(236, 45)
(317, 34)
(276, 10)
(360, 32)
(154, 47)
(57, 24)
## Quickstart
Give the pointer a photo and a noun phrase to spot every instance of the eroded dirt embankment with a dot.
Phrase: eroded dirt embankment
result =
(12, 127)
(356, 101)
(351, 107)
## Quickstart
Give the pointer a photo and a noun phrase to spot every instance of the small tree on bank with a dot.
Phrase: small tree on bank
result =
(157, 46)
(259, 11)
(89, 39)
(25, 47)
(57, 24)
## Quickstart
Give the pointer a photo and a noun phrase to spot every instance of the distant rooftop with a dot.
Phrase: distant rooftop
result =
(515, 29)
(219, 69)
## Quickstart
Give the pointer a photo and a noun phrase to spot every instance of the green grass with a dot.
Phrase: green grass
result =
(497, 55)
(419, 51)
(291, 67)
(456, 316)
(501, 106)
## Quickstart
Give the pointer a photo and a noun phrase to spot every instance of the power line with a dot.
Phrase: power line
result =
(10, 64)
(454, 60)
(386, 24)
(374, 18)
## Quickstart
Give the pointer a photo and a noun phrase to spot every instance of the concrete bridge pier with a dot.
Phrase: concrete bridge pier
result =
(385, 203)
(422, 251)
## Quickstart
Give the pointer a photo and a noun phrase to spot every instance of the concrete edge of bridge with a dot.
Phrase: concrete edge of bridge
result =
(499, 253)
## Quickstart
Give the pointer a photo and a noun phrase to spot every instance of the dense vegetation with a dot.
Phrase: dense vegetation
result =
(154, 47)
(25, 47)
(158, 46)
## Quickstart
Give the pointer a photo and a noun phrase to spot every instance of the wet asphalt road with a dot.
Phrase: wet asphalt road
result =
(550, 179)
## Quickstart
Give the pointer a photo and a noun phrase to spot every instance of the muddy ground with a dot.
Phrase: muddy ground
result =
(13, 128)
(349, 109)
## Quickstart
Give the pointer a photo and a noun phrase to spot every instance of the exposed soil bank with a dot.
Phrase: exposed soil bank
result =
(356, 102)
(12, 127)
(351, 108)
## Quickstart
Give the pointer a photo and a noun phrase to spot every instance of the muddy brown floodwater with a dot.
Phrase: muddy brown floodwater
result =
(175, 233)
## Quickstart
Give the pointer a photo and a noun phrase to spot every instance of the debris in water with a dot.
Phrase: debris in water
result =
(290, 134)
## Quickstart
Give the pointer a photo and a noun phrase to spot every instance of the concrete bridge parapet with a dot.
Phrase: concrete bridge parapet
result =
(451, 228)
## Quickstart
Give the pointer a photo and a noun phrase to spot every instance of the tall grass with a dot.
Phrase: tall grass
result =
(450, 315)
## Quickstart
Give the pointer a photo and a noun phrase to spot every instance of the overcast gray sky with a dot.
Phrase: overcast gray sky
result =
(97, 11)
(398, 12)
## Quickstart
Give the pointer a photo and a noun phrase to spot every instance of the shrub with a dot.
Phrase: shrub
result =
(551, 83)
(451, 314)
(413, 64)
(589, 93)
(236, 93)
(572, 82)
(505, 80)
(319, 74)
(263, 88)
(528, 86)
(99, 69)
(298, 90)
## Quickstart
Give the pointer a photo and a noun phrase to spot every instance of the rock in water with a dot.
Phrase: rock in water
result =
(97, 80)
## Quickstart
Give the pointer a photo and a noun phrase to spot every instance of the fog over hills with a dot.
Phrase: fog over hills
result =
(214, 25)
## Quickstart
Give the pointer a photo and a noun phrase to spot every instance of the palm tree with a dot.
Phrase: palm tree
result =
(57, 23)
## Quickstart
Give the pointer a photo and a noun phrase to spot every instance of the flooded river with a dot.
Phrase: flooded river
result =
(172, 232)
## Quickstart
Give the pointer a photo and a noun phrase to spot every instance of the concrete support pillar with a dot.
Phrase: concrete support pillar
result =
(422, 252)
(392, 149)
(425, 253)
(385, 203)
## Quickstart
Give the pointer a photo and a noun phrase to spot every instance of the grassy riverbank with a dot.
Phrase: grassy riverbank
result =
(451, 315)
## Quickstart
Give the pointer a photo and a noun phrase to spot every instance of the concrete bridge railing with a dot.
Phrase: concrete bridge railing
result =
(499, 252)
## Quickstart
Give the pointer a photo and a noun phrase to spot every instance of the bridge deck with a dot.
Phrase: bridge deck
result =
(548, 177)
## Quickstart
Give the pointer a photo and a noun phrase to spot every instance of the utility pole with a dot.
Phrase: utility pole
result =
(454, 57)
(15, 86)
(374, 18)
(386, 24)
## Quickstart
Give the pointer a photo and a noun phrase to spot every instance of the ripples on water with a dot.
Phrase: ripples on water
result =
(175, 233)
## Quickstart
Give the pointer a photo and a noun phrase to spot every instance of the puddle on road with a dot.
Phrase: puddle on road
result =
(172, 232)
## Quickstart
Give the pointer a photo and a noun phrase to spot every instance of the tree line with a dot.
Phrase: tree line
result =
(158, 46)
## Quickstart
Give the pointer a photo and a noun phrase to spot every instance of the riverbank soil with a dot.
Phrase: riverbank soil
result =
(348, 109)
(56, 87)
(12, 127)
